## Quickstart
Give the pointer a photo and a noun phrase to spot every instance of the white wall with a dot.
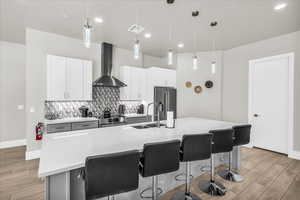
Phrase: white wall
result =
(38, 45)
(235, 89)
(12, 91)
(208, 103)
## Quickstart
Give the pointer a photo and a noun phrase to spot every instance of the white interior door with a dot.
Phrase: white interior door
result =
(269, 103)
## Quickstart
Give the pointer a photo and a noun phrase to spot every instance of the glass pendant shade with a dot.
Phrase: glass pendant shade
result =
(195, 62)
(87, 35)
(136, 49)
(170, 57)
(213, 67)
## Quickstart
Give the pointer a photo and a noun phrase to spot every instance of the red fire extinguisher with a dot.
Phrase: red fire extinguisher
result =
(39, 131)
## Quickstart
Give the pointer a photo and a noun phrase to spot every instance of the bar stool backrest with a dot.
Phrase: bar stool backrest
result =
(160, 158)
(111, 174)
(241, 134)
(222, 140)
(196, 147)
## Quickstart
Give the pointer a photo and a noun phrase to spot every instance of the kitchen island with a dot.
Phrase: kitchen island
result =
(63, 154)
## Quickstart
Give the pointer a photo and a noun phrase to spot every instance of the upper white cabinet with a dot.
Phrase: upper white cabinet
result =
(157, 76)
(68, 79)
(135, 78)
(141, 81)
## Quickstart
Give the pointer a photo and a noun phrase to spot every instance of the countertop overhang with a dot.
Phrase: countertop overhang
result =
(66, 151)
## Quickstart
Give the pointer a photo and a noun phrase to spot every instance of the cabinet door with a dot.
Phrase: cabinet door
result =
(87, 80)
(140, 84)
(125, 76)
(75, 79)
(56, 78)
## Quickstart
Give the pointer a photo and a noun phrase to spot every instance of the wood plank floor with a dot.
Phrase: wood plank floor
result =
(268, 176)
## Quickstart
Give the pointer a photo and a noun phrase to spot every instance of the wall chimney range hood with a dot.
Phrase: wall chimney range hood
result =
(107, 80)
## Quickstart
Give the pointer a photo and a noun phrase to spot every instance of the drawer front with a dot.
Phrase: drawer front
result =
(84, 125)
(55, 128)
(134, 120)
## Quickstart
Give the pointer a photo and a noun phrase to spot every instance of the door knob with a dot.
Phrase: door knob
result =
(256, 115)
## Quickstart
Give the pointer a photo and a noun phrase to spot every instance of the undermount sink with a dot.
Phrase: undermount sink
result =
(152, 125)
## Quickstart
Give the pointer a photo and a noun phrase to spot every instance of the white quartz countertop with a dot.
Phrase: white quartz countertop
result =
(70, 120)
(63, 152)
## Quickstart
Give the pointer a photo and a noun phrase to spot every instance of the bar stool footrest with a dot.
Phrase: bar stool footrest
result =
(143, 196)
(178, 178)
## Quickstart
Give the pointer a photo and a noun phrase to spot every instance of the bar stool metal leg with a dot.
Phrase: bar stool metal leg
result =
(153, 190)
(212, 187)
(187, 194)
(228, 174)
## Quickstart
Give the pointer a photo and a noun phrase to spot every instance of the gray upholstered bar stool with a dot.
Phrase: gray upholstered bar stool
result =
(111, 174)
(241, 137)
(193, 148)
(159, 158)
(222, 142)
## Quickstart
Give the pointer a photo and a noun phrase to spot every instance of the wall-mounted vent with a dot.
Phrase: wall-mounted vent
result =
(136, 29)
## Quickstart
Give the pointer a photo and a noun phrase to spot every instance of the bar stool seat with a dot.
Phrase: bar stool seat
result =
(241, 137)
(159, 158)
(111, 174)
(194, 147)
(222, 141)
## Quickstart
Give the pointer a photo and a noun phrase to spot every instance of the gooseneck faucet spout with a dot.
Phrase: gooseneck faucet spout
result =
(160, 108)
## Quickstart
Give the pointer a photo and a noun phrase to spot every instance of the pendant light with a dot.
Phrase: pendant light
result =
(195, 62)
(170, 57)
(213, 63)
(170, 51)
(87, 29)
(195, 57)
(136, 49)
(87, 34)
(137, 44)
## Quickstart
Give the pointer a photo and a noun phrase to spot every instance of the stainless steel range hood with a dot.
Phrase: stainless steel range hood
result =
(107, 80)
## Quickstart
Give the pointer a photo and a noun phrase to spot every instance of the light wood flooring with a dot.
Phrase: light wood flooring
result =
(268, 176)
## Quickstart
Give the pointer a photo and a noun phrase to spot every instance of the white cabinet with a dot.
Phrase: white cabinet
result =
(56, 78)
(135, 78)
(141, 81)
(68, 79)
(159, 77)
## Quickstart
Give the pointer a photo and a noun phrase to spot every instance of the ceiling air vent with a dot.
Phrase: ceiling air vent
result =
(136, 29)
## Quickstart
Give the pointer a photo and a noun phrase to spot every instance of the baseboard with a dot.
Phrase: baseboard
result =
(294, 155)
(31, 155)
(12, 143)
(248, 145)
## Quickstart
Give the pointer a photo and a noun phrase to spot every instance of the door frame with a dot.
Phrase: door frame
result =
(290, 128)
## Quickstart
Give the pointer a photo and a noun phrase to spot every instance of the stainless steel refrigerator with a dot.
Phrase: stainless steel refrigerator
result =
(167, 96)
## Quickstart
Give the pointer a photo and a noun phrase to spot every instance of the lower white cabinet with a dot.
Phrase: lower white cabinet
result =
(68, 79)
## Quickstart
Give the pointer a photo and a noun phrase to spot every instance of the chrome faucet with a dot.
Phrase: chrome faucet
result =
(149, 104)
(159, 109)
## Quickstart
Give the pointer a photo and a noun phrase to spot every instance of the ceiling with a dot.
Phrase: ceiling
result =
(240, 21)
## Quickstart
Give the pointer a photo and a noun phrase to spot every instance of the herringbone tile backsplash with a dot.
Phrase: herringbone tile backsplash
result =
(102, 97)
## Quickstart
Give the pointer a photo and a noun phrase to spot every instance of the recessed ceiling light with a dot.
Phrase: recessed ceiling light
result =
(98, 20)
(280, 6)
(180, 45)
(147, 35)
